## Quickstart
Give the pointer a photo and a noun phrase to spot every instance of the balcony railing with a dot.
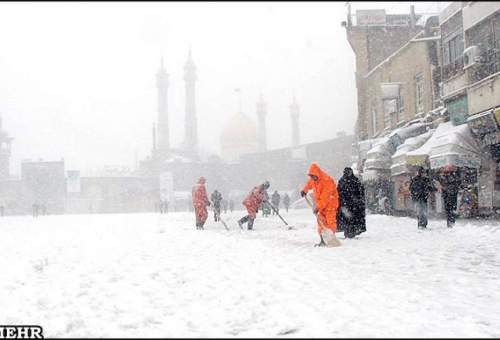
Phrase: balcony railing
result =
(452, 69)
(490, 64)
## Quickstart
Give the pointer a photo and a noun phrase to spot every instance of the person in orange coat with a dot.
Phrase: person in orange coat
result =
(252, 202)
(200, 202)
(326, 198)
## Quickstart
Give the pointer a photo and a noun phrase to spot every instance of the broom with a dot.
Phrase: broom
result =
(277, 213)
(327, 235)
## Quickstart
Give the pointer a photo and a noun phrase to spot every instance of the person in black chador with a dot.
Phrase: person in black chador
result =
(351, 215)
(420, 188)
(450, 184)
(216, 199)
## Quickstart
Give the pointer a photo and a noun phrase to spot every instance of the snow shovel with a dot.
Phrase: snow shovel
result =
(223, 223)
(277, 213)
(327, 234)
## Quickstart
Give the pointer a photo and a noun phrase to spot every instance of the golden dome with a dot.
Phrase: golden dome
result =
(239, 136)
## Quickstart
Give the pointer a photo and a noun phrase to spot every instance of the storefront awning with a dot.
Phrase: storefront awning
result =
(379, 156)
(399, 163)
(449, 145)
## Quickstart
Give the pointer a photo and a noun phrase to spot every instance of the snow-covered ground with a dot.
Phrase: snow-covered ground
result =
(151, 275)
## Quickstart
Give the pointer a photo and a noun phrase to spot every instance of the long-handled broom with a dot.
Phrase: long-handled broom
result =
(277, 213)
(327, 235)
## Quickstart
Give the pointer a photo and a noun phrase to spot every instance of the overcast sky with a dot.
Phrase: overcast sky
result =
(77, 80)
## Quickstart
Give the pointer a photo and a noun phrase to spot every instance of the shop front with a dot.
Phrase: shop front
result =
(455, 153)
(376, 177)
(401, 173)
(485, 128)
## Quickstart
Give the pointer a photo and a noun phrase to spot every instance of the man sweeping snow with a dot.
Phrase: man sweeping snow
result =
(252, 202)
(200, 203)
(327, 201)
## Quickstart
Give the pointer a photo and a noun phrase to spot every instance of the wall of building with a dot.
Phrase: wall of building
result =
(484, 95)
(475, 11)
(403, 67)
(371, 46)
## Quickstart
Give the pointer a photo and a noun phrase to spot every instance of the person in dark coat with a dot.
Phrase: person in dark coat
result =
(351, 215)
(286, 201)
(275, 201)
(450, 184)
(266, 209)
(421, 187)
(216, 199)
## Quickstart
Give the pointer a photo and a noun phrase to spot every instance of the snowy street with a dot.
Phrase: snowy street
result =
(151, 275)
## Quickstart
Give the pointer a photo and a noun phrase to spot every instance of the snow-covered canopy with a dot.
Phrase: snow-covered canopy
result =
(399, 158)
(455, 147)
(365, 146)
(449, 145)
(370, 175)
(379, 156)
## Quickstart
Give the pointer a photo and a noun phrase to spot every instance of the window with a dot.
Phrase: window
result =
(390, 109)
(374, 119)
(401, 108)
(446, 54)
(486, 36)
(419, 93)
(452, 46)
(458, 110)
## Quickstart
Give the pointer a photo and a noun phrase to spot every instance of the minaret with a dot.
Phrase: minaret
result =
(191, 126)
(163, 134)
(153, 153)
(294, 113)
(5, 147)
(261, 129)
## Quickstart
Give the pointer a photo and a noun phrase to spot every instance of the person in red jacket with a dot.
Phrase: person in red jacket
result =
(200, 202)
(326, 198)
(252, 202)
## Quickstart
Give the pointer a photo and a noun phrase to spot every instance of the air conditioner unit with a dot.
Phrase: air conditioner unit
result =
(471, 56)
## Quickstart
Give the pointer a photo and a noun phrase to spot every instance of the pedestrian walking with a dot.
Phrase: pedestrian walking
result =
(286, 201)
(450, 185)
(421, 187)
(216, 199)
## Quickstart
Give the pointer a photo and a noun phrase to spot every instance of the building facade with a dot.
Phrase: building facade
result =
(442, 84)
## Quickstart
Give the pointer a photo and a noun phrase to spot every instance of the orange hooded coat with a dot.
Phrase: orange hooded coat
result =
(200, 201)
(325, 196)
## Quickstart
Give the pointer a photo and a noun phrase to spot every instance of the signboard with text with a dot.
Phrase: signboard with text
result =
(372, 17)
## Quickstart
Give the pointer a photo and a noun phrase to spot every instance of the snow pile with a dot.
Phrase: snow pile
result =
(148, 275)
